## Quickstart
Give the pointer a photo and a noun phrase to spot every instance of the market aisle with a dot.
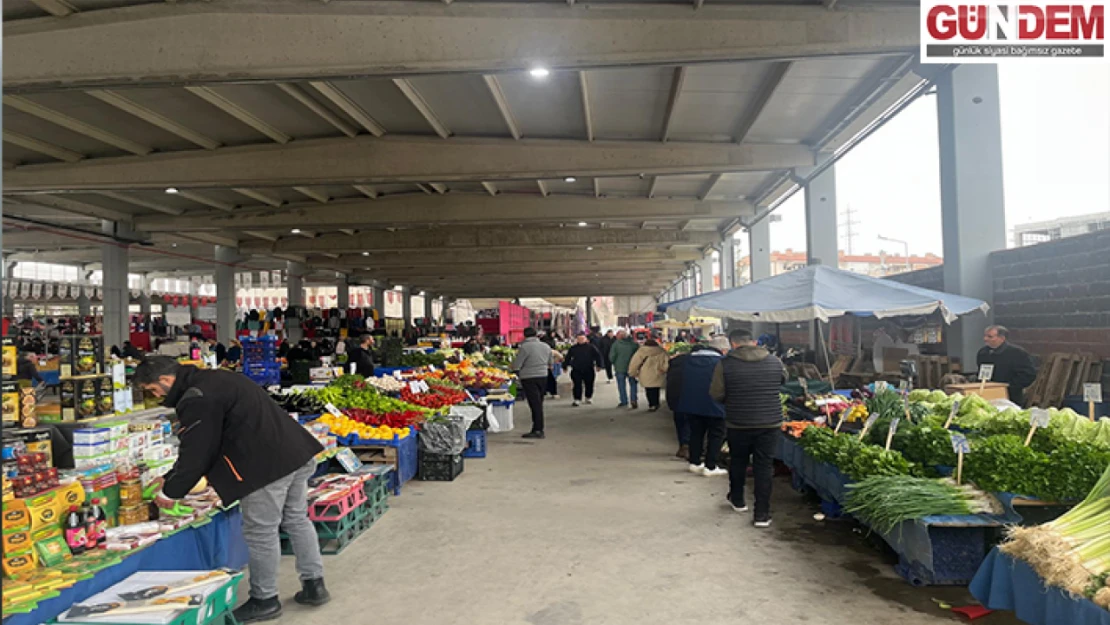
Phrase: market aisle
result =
(593, 526)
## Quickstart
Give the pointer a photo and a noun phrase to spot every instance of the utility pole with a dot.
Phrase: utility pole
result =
(848, 232)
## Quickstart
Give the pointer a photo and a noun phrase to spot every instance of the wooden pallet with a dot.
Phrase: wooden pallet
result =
(1061, 375)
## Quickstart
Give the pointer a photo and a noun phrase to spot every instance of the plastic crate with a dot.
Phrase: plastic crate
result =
(475, 444)
(336, 508)
(403, 454)
(440, 467)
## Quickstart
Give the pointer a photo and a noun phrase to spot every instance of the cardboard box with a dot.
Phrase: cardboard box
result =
(81, 355)
(159, 453)
(105, 400)
(27, 404)
(67, 396)
(9, 394)
(91, 436)
(91, 451)
(20, 564)
(37, 440)
(991, 390)
(103, 460)
(11, 355)
(16, 541)
(16, 515)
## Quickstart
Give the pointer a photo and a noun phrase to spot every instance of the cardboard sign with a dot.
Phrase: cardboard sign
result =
(986, 372)
(960, 445)
(349, 460)
(952, 414)
(414, 386)
(1092, 392)
(1039, 417)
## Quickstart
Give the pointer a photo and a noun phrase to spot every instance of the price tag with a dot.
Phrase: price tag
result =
(986, 372)
(353, 367)
(424, 386)
(1039, 417)
(414, 386)
(871, 420)
(881, 386)
(825, 401)
(397, 374)
(903, 385)
(894, 424)
(333, 410)
(960, 444)
(1092, 392)
(431, 367)
(952, 413)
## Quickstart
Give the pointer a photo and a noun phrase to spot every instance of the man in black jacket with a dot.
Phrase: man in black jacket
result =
(251, 451)
(605, 343)
(363, 356)
(1012, 364)
(747, 382)
(583, 360)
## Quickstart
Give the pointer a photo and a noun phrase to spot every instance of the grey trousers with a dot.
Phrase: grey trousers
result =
(280, 505)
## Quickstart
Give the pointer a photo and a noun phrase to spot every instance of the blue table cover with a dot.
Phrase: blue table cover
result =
(214, 545)
(1004, 583)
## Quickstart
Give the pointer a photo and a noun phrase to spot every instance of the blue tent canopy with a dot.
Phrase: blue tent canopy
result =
(820, 292)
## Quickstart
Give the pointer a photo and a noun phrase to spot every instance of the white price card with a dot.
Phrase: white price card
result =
(881, 386)
(955, 409)
(397, 374)
(333, 410)
(1039, 417)
(903, 385)
(986, 372)
(824, 401)
(414, 386)
(424, 386)
(959, 443)
(871, 420)
(894, 424)
(1092, 392)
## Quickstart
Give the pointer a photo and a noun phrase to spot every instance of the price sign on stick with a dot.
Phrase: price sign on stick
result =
(961, 447)
(333, 410)
(1092, 394)
(1038, 418)
(952, 414)
(891, 431)
(867, 424)
(985, 374)
(906, 406)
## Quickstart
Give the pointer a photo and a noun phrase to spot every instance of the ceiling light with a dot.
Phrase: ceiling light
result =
(589, 249)
(172, 190)
(173, 245)
(539, 73)
(366, 253)
(570, 179)
(582, 224)
(295, 231)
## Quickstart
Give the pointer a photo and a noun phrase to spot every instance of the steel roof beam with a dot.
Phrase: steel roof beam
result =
(677, 81)
(766, 91)
(472, 238)
(42, 147)
(75, 125)
(247, 40)
(370, 160)
(433, 257)
(455, 208)
(131, 107)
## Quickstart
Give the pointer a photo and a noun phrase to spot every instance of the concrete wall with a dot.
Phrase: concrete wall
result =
(931, 278)
(1056, 296)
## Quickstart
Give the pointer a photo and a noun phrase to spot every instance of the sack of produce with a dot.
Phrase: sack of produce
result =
(445, 435)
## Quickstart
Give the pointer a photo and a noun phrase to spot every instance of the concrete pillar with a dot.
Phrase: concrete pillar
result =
(294, 288)
(589, 312)
(144, 300)
(728, 263)
(226, 259)
(342, 292)
(822, 244)
(406, 306)
(973, 214)
(759, 242)
(377, 298)
(117, 297)
(706, 266)
(428, 315)
(84, 305)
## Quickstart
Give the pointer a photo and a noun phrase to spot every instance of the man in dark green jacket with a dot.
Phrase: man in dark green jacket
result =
(747, 382)
(620, 354)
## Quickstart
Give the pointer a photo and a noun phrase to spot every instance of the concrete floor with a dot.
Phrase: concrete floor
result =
(598, 525)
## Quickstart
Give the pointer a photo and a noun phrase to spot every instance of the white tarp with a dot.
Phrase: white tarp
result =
(819, 292)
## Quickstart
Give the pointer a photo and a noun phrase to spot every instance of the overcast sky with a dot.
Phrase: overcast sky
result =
(1056, 162)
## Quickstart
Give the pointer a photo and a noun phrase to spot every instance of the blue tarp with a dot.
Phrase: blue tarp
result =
(820, 292)
(1004, 583)
(214, 545)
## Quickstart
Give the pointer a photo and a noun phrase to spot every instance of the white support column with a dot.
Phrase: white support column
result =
(428, 307)
(226, 259)
(377, 297)
(759, 242)
(973, 214)
(117, 297)
(706, 266)
(144, 300)
(821, 237)
(84, 304)
(294, 286)
(406, 306)
(342, 292)
(728, 263)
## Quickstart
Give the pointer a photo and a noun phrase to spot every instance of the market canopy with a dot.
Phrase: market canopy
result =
(820, 292)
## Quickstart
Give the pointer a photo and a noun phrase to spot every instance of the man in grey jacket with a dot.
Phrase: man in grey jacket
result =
(534, 360)
(747, 382)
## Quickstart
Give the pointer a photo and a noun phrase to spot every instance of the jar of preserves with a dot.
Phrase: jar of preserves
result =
(130, 493)
(130, 515)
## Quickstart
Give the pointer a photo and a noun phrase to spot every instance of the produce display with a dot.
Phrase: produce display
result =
(346, 426)
(856, 459)
(351, 391)
(1004, 464)
(883, 502)
(469, 376)
(420, 359)
(1072, 552)
(501, 357)
(437, 397)
(386, 384)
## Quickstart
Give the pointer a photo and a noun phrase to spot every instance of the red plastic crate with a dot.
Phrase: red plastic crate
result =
(337, 507)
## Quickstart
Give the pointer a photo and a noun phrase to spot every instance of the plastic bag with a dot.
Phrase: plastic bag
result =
(448, 435)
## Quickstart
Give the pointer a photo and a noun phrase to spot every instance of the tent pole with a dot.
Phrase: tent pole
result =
(825, 349)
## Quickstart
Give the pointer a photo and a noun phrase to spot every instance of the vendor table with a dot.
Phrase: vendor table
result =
(1004, 583)
(216, 544)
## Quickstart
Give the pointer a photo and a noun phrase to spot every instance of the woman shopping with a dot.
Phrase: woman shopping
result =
(649, 366)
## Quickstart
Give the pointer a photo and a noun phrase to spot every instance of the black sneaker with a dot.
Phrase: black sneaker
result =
(312, 592)
(635, 405)
(256, 610)
(762, 523)
(533, 435)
